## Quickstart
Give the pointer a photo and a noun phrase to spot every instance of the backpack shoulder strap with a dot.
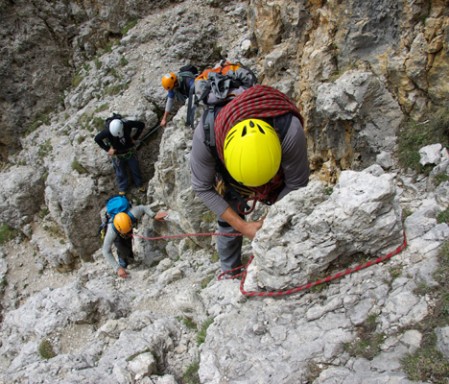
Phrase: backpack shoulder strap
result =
(133, 218)
(191, 107)
(186, 74)
(208, 126)
(209, 139)
(281, 124)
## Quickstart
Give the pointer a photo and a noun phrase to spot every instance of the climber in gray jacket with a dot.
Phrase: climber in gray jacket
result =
(260, 154)
(119, 233)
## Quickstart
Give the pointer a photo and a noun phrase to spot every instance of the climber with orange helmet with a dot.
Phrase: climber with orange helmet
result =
(178, 86)
(119, 232)
(253, 150)
(118, 139)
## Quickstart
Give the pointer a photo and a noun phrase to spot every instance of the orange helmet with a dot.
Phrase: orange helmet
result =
(123, 223)
(169, 81)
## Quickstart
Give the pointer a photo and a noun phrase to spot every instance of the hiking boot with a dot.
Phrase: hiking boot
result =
(142, 190)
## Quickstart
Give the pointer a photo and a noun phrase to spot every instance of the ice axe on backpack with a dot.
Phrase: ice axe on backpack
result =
(147, 135)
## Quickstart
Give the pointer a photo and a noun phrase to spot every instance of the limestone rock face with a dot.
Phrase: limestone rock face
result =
(21, 192)
(357, 70)
(361, 216)
(362, 116)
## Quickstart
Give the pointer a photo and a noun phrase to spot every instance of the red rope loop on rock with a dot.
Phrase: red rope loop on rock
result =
(233, 274)
(309, 285)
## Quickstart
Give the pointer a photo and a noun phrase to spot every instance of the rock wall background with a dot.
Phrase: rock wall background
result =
(357, 70)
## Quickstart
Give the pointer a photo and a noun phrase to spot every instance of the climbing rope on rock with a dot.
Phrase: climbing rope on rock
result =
(309, 285)
(242, 272)
(182, 235)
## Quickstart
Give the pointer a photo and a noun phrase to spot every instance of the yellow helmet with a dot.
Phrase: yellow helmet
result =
(123, 223)
(169, 81)
(252, 152)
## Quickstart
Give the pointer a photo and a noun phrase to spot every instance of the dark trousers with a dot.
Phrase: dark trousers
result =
(121, 165)
(229, 247)
(124, 247)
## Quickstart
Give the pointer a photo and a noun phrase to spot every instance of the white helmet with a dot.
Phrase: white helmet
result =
(116, 128)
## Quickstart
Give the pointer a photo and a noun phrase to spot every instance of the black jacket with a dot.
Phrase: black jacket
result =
(105, 140)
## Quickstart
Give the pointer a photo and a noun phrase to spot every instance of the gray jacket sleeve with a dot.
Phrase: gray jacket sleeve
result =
(295, 163)
(107, 247)
(169, 104)
(202, 167)
(139, 210)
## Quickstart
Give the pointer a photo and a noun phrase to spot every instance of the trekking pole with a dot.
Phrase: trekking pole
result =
(147, 135)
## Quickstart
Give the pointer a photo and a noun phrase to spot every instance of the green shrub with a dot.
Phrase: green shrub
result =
(208, 217)
(440, 178)
(102, 107)
(76, 166)
(190, 376)
(46, 350)
(214, 257)
(201, 337)
(427, 363)
(98, 123)
(413, 136)
(188, 322)
(123, 61)
(77, 79)
(44, 149)
(43, 118)
(129, 25)
(113, 90)
(368, 343)
(205, 282)
(97, 63)
(7, 233)
(443, 217)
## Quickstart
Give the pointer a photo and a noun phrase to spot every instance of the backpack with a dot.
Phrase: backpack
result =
(220, 81)
(113, 117)
(189, 68)
(115, 204)
(214, 85)
(188, 71)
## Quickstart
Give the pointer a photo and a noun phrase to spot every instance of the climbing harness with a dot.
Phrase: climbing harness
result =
(126, 155)
(242, 271)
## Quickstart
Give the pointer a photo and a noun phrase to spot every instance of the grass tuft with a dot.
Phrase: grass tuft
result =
(7, 233)
(428, 363)
(45, 350)
(190, 376)
(368, 342)
(413, 136)
(201, 337)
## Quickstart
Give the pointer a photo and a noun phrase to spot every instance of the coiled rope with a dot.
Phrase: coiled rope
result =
(242, 271)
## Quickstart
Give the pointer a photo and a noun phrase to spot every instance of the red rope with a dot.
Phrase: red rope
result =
(309, 285)
(285, 292)
(187, 235)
